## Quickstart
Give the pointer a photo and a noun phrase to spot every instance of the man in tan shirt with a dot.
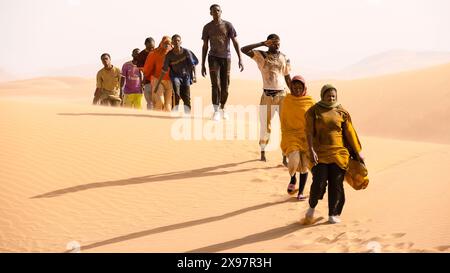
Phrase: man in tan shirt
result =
(108, 83)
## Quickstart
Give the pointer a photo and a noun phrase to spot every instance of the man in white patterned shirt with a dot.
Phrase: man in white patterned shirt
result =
(275, 69)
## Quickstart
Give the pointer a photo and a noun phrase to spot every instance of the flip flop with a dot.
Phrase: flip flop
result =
(301, 197)
(291, 188)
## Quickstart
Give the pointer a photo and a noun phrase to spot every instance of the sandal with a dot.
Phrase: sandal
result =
(291, 188)
(301, 197)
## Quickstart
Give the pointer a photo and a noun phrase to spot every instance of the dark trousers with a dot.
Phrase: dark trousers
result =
(302, 182)
(336, 196)
(219, 71)
(182, 90)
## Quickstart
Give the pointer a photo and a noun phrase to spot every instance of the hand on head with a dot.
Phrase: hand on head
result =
(269, 42)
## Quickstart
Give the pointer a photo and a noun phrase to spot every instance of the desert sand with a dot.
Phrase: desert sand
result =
(115, 180)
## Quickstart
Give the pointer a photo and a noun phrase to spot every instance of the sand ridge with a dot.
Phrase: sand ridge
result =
(115, 180)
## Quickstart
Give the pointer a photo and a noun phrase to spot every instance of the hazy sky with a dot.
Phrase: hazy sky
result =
(320, 34)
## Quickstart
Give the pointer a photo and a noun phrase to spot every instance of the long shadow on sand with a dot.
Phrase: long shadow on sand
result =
(203, 172)
(255, 238)
(192, 223)
(130, 115)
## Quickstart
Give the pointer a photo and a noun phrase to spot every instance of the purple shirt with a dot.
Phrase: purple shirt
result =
(133, 78)
(219, 36)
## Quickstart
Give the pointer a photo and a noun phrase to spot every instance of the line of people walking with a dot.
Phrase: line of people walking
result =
(169, 69)
(319, 137)
(164, 74)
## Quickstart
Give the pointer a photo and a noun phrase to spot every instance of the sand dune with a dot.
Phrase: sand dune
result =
(115, 180)
(393, 61)
(388, 62)
(410, 105)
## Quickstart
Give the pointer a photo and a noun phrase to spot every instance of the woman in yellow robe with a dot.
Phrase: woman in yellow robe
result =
(329, 132)
(293, 136)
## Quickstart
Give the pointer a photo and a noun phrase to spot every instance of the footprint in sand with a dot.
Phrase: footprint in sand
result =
(395, 235)
(362, 231)
(258, 180)
(291, 236)
(388, 249)
(406, 246)
(357, 223)
(325, 239)
(338, 249)
(330, 239)
(295, 247)
(423, 251)
(350, 235)
(385, 237)
(389, 236)
(443, 248)
(356, 241)
(374, 239)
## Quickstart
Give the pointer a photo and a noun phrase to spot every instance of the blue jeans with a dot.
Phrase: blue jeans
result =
(182, 90)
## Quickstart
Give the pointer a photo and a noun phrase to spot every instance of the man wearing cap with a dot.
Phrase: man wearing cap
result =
(275, 68)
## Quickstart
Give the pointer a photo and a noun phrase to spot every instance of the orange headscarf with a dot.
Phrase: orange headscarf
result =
(161, 49)
(155, 60)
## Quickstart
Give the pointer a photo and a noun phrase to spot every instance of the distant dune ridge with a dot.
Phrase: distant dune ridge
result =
(383, 63)
(115, 180)
(86, 70)
(393, 61)
(400, 105)
(408, 105)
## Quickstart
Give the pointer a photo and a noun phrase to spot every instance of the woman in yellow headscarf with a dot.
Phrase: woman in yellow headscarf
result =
(330, 135)
(293, 136)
